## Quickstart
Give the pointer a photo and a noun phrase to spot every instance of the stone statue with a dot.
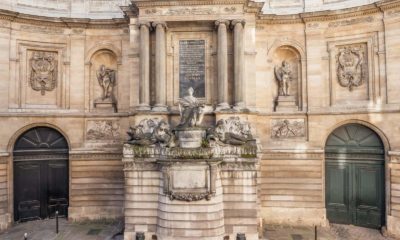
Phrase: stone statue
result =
(106, 78)
(231, 131)
(191, 110)
(151, 132)
(283, 75)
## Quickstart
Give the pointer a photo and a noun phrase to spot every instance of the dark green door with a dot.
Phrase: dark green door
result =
(355, 186)
(40, 174)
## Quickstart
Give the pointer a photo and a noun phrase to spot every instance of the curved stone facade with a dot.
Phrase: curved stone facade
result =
(294, 77)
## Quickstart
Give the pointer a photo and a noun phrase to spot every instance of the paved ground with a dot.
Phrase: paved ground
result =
(334, 232)
(45, 230)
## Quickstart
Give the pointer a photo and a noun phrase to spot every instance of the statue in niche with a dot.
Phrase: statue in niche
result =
(191, 110)
(283, 75)
(106, 78)
(231, 131)
(151, 132)
(350, 64)
(44, 71)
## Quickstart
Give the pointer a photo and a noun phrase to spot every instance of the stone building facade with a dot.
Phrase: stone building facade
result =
(340, 67)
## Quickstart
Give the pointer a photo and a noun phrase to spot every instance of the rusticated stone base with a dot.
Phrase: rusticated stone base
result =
(94, 213)
(294, 216)
(393, 226)
(174, 196)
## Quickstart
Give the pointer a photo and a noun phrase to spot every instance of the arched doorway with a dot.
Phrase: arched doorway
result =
(355, 177)
(40, 174)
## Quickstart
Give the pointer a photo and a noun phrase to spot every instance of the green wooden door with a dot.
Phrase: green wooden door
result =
(354, 172)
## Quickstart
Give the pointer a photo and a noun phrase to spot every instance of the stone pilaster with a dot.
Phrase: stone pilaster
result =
(222, 64)
(238, 51)
(160, 60)
(144, 84)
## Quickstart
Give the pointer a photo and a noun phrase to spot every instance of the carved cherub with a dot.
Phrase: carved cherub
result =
(106, 79)
(283, 75)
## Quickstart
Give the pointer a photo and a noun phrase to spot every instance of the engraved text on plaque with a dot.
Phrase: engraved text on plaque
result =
(192, 67)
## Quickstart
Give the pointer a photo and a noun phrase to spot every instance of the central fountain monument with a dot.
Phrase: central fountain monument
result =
(191, 182)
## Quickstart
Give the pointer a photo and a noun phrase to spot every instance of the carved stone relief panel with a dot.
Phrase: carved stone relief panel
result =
(43, 71)
(351, 63)
(288, 128)
(42, 82)
(103, 130)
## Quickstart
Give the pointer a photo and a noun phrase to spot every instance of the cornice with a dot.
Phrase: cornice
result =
(329, 15)
(62, 22)
(160, 3)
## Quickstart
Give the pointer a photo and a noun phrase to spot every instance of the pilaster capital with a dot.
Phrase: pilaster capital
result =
(222, 21)
(238, 21)
(162, 24)
(144, 24)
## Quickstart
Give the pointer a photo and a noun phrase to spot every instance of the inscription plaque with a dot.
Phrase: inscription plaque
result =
(192, 67)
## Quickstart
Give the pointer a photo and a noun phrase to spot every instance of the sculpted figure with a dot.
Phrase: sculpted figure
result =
(106, 78)
(191, 110)
(230, 131)
(150, 132)
(142, 134)
(283, 76)
(163, 135)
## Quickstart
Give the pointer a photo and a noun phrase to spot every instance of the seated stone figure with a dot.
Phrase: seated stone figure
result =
(192, 111)
(230, 131)
(151, 132)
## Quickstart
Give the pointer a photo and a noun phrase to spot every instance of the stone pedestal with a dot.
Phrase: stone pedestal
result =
(190, 193)
(190, 137)
(286, 104)
(106, 105)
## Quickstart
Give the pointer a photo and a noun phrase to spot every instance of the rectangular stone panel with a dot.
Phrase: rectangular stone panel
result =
(192, 66)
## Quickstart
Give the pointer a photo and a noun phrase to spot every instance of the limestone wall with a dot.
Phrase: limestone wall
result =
(291, 178)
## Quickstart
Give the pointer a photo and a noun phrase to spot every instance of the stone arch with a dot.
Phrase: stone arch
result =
(11, 146)
(290, 51)
(103, 46)
(19, 132)
(378, 131)
(370, 146)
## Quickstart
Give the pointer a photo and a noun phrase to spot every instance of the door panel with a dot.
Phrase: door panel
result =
(337, 188)
(27, 190)
(369, 195)
(355, 193)
(57, 196)
(355, 186)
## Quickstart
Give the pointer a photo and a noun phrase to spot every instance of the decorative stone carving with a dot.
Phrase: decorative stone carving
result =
(192, 111)
(283, 75)
(44, 70)
(190, 197)
(151, 132)
(102, 130)
(106, 79)
(231, 131)
(287, 128)
(351, 65)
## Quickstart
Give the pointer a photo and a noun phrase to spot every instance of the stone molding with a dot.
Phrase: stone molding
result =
(63, 22)
(329, 15)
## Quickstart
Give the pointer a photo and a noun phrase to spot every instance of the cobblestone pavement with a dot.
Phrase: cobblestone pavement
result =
(334, 232)
(45, 230)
